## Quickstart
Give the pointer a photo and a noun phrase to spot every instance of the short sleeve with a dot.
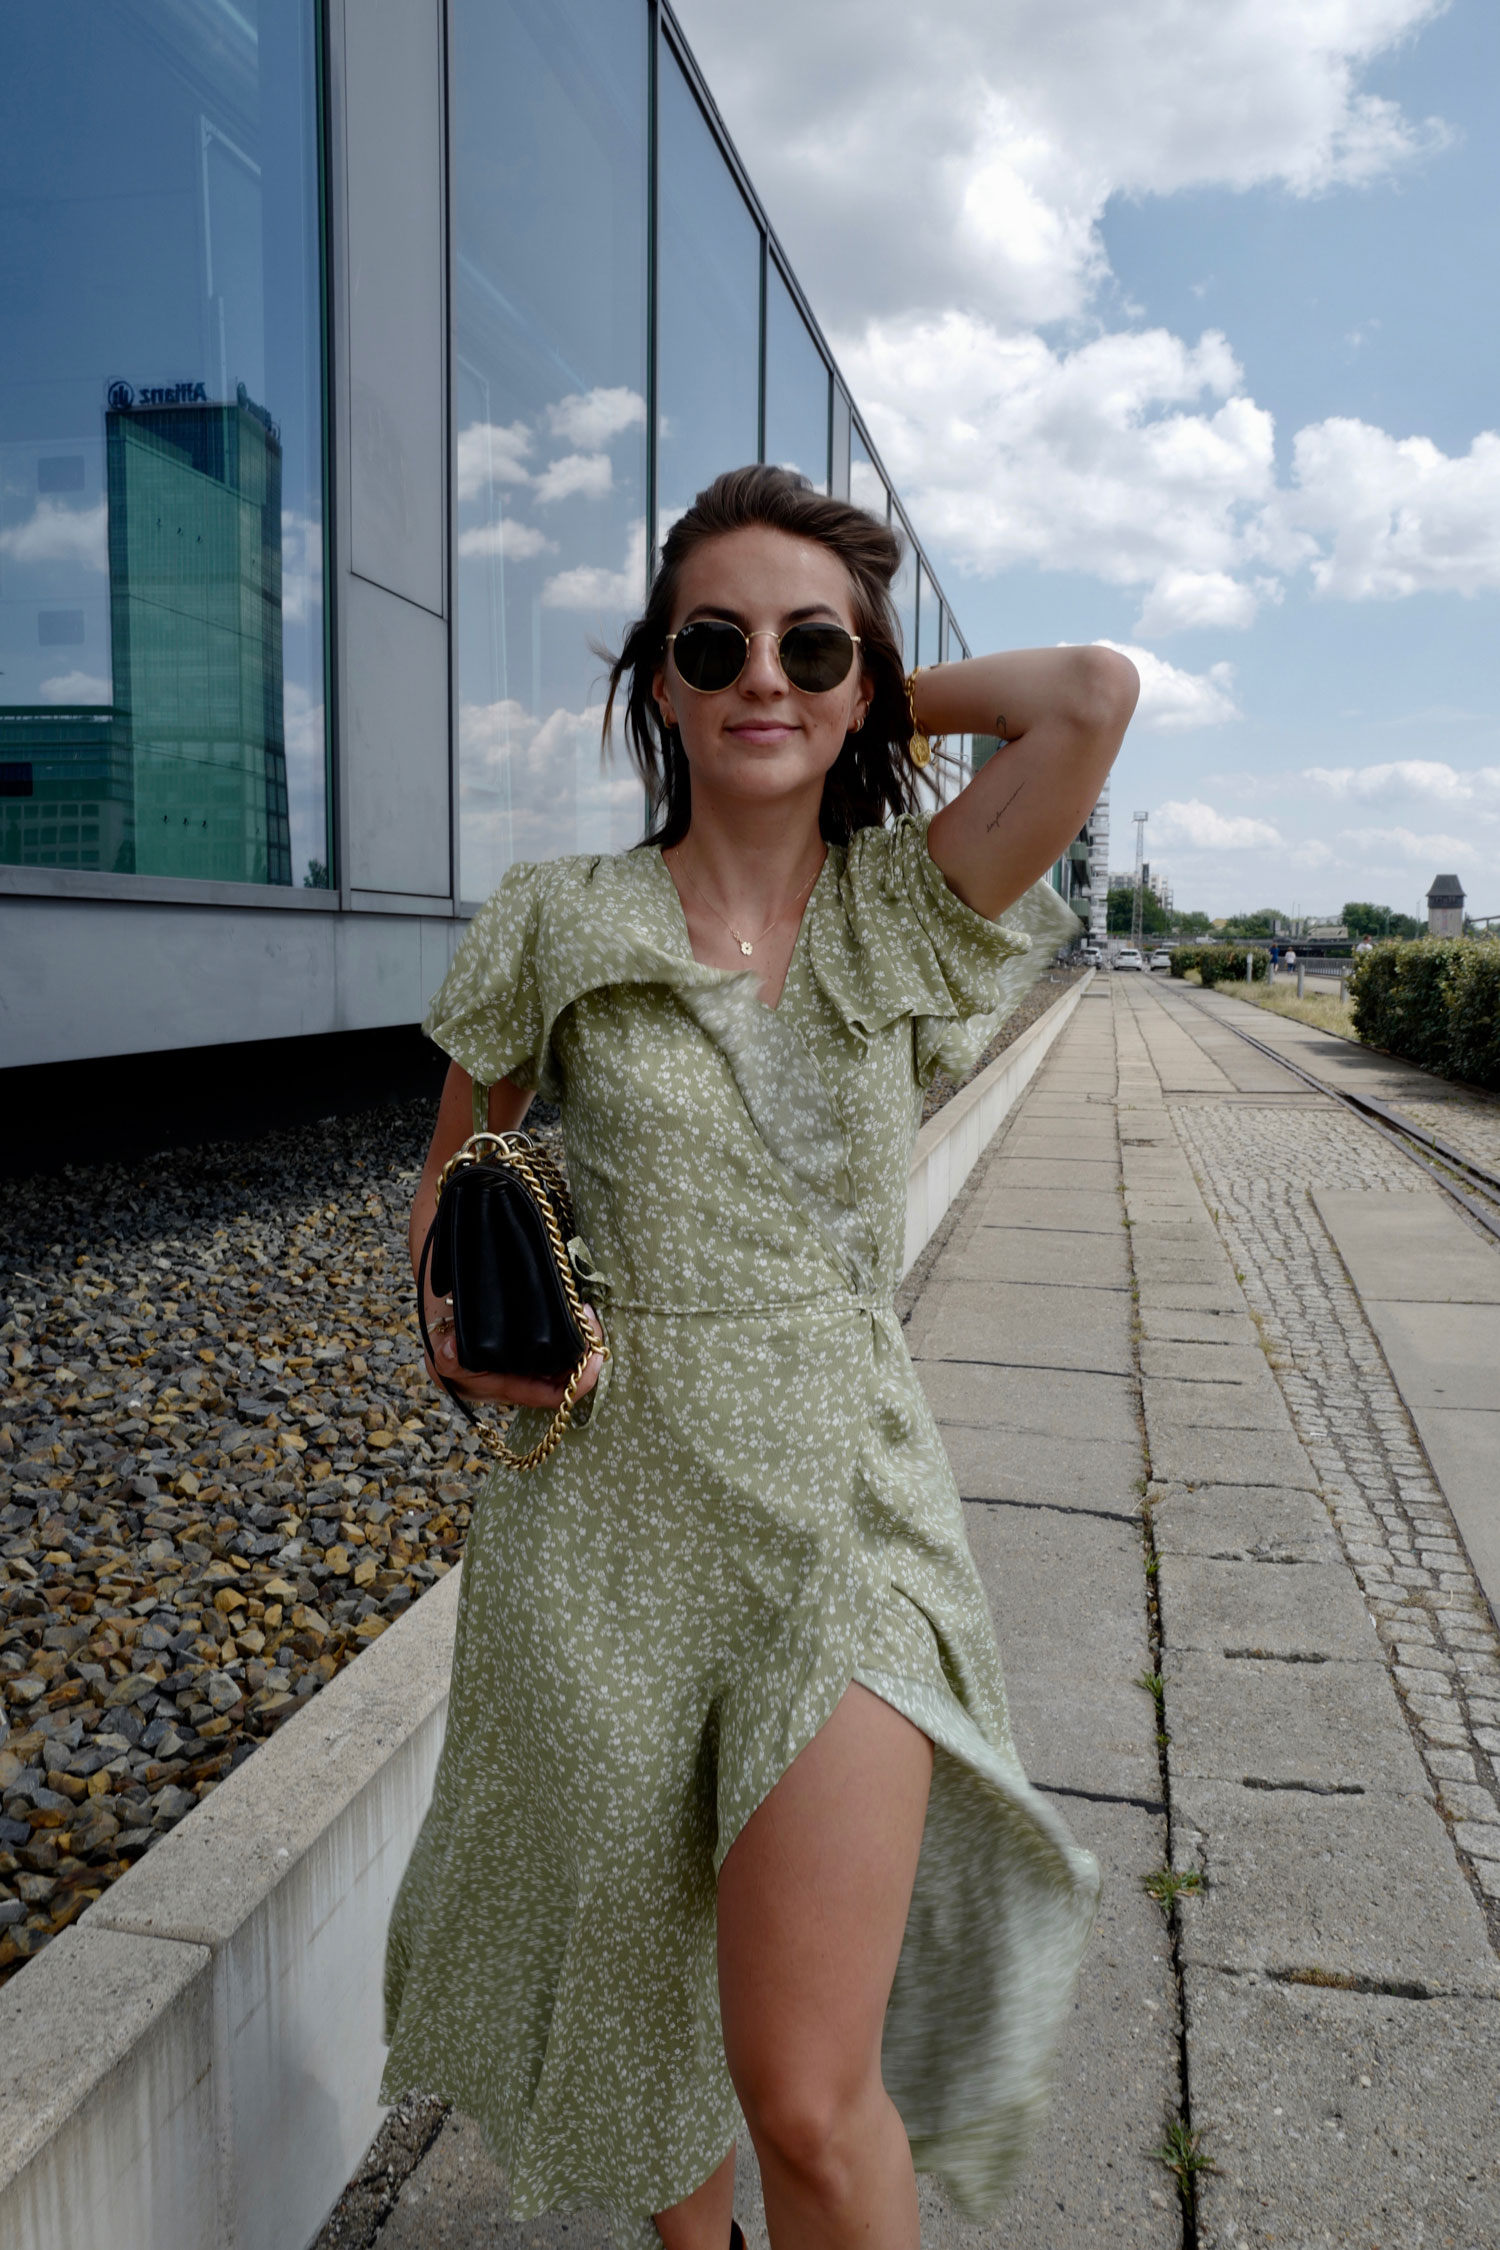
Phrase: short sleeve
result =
(918, 950)
(487, 1012)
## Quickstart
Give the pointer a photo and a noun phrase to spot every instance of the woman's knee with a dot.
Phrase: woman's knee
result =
(811, 2128)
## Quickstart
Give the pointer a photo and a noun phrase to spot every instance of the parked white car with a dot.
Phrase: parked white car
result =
(1129, 957)
(1162, 958)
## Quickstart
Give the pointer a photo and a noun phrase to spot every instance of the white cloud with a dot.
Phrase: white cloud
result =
(1409, 844)
(589, 587)
(590, 419)
(1135, 457)
(489, 453)
(77, 687)
(1185, 599)
(54, 533)
(576, 475)
(1430, 778)
(1171, 698)
(515, 542)
(1393, 516)
(1199, 827)
(1016, 120)
(301, 566)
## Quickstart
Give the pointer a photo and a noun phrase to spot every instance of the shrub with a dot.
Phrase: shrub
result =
(1221, 964)
(1474, 1015)
(1435, 1001)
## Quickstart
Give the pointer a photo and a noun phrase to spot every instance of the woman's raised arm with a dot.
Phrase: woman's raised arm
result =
(1061, 714)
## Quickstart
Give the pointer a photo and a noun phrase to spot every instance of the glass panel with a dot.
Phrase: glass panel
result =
(904, 592)
(161, 443)
(866, 484)
(840, 485)
(929, 639)
(797, 383)
(549, 379)
(708, 307)
(943, 656)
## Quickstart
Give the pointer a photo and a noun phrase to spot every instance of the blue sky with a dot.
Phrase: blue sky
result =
(1176, 325)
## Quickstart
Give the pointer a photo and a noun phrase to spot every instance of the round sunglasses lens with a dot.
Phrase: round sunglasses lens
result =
(816, 658)
(710, 656)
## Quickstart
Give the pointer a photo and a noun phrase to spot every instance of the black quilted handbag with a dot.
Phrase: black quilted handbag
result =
(497, 1250)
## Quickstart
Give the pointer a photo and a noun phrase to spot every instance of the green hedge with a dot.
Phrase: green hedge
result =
(1436, 1001)
(1221, 964)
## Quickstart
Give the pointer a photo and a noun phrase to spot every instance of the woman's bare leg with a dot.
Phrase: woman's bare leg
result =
(701, 2220)
(813, 1898)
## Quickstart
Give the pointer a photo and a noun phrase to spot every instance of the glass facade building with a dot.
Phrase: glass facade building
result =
(357, 355)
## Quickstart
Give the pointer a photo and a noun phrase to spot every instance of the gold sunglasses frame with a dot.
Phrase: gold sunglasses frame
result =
(764, 633)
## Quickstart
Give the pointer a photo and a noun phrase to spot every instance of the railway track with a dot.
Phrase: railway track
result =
(1473, 1185)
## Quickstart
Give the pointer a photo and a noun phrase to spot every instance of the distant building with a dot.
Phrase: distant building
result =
(1082, 874)
(1445, 907)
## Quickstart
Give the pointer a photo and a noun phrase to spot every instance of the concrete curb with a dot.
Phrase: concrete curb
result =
(196, 2062)
(951, 1144)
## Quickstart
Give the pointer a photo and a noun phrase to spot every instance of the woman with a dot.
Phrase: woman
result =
(728, 1821)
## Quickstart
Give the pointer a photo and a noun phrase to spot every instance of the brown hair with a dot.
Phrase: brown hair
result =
(873, 776)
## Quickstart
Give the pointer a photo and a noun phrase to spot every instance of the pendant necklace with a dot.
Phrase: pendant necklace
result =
(747, 945)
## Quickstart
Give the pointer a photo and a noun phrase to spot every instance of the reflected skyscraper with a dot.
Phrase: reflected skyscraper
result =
(196, 641)
(184, 771)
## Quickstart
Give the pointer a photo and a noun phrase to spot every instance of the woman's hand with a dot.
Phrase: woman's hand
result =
(501, 1390)
(1061, 714)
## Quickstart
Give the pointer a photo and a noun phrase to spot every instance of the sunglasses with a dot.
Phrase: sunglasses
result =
(710, 655)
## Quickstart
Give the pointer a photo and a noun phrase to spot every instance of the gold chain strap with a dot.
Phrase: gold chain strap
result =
(540, 1171)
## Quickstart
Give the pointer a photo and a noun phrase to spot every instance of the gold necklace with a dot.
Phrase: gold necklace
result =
(748, 945)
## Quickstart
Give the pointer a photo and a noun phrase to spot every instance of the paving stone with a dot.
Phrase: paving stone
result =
(1280, 1609)
(1242, 1523)
(1040, 1401)
(1219, 1361)
(1014, 1174)
(1067, 1211)
(1324, 1726)
(1343, 2117)
(1028, 1467)
(1296, 1882)
(1040, 1255)
(1172, 1406)
(1011, 1324)
(1188, 1453)
(1080, 1721)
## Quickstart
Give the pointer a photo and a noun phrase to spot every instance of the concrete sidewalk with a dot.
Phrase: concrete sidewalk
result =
(1192, 1492)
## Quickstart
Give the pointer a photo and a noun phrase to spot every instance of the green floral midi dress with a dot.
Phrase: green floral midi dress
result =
(756, 1512)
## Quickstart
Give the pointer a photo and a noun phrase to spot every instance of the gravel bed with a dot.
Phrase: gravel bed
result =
(1036, 1003)
(222, 1472)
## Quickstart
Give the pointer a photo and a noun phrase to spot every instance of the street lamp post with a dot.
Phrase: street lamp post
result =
(1140, 820)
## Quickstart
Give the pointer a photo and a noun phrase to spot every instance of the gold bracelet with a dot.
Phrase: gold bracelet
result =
(920, 748)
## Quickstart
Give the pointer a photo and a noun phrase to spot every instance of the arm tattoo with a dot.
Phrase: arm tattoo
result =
(1005, 808)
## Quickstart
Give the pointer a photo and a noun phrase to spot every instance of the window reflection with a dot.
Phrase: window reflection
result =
(929, 636)
(549, 168)
(797, 384)
(161, 577)
(904, 590)
(841, 434)
(866, 484)
(708, 311)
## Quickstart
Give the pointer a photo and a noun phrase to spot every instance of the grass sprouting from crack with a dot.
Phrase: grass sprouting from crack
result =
(1167, 1886)
(1181, 2154)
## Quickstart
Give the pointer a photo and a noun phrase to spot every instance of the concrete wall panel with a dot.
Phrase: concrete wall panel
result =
(94, 978)
(395, 764)
(393, 155)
